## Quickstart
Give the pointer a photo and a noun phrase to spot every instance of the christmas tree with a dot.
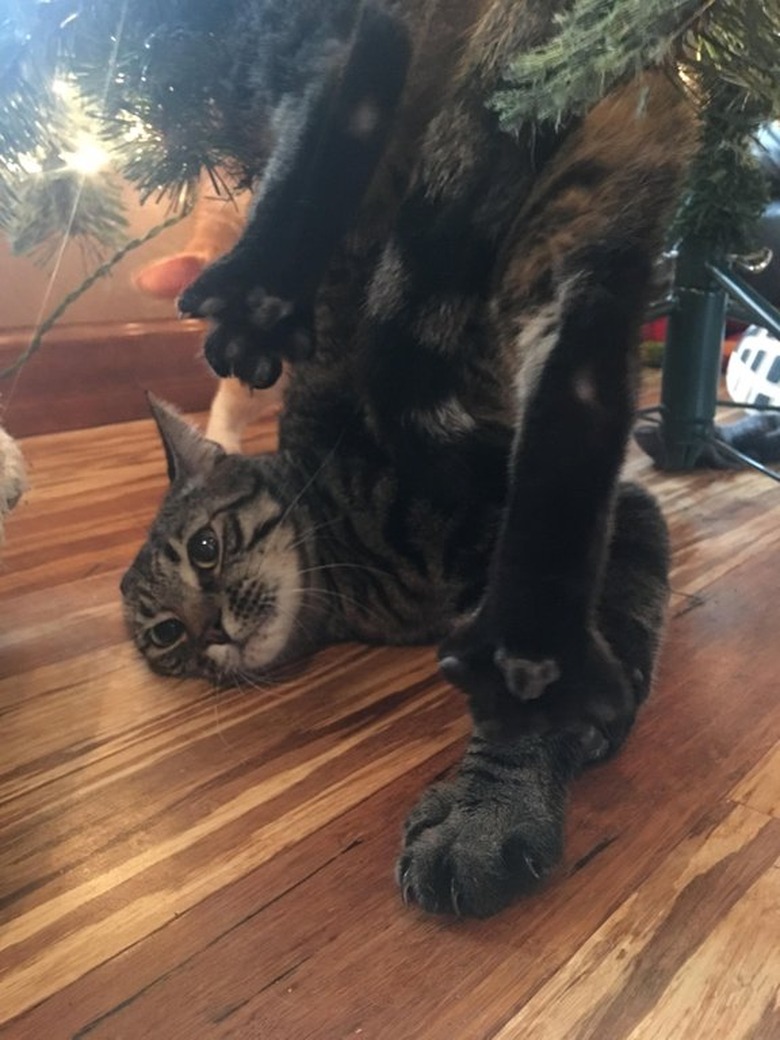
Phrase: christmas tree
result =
(158, 91)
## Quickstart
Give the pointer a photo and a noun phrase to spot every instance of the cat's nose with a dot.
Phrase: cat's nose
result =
(215, 634)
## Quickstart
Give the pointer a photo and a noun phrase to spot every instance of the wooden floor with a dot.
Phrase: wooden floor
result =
(181, 863)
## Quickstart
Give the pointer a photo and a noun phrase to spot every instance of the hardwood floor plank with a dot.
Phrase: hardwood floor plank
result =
(711, 995)
(710, 515)
(181, 862)
(481, 961)
(96, 998)
(760, 789)
(655, 966)
(58, 924)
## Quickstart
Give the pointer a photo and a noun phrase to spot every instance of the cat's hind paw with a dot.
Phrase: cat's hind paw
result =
(254, 328)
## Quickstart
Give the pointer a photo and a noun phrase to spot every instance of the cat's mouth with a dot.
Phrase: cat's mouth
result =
(229, 664)
(263, 639)
(222, 659)
(229, 658)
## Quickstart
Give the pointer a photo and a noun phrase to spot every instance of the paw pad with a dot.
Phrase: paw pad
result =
(527, 680)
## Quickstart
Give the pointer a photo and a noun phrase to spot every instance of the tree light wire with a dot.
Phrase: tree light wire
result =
(42, 326)
(45, 325)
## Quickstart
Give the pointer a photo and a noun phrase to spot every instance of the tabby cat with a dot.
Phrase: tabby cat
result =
(461, 308)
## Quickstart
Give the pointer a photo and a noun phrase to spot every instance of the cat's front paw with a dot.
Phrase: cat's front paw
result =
(471, 846)
(476, 657)
(254, 327)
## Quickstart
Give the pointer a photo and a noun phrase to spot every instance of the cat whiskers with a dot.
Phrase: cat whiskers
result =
(254, 682)
(343, 597)
(337, 592)
(328, 456)
(297, 622)
(235, 678)
(342, 566)
(216, 691)
(305, 535)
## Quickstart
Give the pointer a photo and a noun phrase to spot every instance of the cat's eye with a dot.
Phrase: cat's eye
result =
(166, 633)
(203, 549)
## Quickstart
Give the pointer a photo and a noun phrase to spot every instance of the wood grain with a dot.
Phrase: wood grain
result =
(181, 862)
(657, 966)
(760, 789)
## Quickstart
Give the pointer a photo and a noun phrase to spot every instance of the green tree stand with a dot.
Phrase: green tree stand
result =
(685, 436)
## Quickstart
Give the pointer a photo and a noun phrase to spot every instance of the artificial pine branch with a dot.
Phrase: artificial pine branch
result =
(26, 60)
(598, 44)
(726, 53)
(727, 191)
(601, 42)
(171, 81)
(89, 209)
(164, 77)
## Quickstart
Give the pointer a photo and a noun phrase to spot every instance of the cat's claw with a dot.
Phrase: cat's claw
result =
(407, 893)
(535, 870)
(484, 851)
(254, 328)
(232, 355)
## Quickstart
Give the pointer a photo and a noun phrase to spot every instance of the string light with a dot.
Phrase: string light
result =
(88, 158)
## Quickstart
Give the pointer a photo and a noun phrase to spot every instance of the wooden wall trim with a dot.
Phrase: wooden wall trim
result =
(90, 374)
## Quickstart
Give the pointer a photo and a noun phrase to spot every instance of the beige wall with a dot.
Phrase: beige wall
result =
(24, 287)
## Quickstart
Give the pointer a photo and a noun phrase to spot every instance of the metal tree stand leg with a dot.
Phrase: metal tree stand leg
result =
(686, 435)
(691, 369)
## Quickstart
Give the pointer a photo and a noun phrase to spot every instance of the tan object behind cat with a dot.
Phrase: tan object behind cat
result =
(235, 406)
(13, 480)
(216, 224)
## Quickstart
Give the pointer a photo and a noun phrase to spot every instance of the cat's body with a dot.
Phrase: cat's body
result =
(450, 449)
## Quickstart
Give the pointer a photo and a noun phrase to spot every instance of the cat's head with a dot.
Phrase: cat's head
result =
(218, 586)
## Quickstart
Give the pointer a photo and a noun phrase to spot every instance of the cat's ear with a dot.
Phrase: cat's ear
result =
(187, 451)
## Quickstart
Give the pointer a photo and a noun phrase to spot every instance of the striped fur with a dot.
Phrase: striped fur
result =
(449, 452)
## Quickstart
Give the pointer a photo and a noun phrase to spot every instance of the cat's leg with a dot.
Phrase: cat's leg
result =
(216, 223)
(234, 406)
(569, 311)
(552, 678)
(495, 830)
(260, 295)
(536, 625)
(574, 274)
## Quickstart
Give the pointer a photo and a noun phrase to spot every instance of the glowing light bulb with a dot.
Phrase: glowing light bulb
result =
(62, 89)
(88, 158)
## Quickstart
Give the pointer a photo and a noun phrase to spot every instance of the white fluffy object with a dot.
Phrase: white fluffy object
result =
(12, 476)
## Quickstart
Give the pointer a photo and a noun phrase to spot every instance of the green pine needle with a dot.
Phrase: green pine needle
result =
(598, 44)
(90, 210)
